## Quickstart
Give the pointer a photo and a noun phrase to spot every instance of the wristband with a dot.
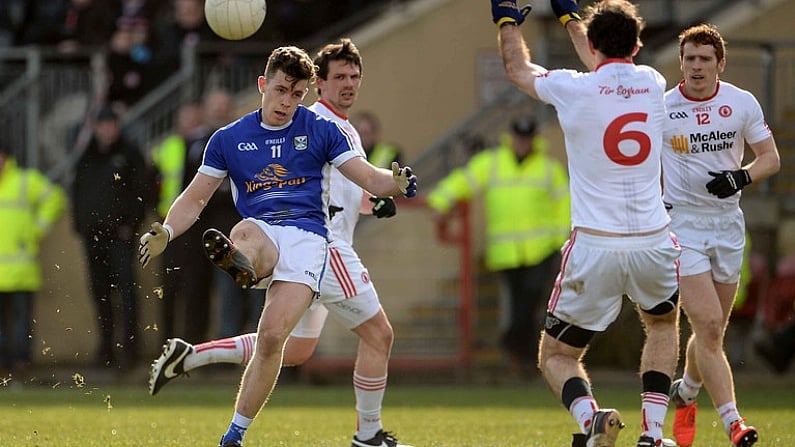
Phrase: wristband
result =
(568, 17)
(506, 21)
(169, 230)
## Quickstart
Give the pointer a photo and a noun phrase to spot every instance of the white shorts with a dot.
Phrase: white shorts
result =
(302, 254)
(311, 323)
(596, 271)
(711, 241)
(345, 291)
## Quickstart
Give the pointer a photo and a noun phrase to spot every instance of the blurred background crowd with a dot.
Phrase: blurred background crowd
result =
(143, 38)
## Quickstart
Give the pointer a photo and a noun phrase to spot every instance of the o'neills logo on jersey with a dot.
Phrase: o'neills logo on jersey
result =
(696, 143)
(273, 176)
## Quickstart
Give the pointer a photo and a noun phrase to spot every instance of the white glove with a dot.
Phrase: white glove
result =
(154, 242)
(405, 179)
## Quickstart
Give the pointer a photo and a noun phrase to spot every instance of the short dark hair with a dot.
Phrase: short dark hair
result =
(703, 34)
(293, 62)
(614, 27)
(344, 50)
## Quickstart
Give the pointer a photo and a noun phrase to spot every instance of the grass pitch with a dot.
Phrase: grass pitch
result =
(192, 414)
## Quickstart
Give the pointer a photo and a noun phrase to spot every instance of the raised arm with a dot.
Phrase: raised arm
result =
(515, 54)
(568, 13)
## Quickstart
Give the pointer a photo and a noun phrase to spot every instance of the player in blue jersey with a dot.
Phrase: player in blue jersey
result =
(346, 292)
(278, 159)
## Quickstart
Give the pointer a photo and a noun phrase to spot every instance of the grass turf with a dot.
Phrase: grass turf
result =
(188, 414)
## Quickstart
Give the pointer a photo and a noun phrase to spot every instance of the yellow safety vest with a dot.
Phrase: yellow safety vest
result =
(383, 155)
(29, 206)
(169, 158)
(526, 205)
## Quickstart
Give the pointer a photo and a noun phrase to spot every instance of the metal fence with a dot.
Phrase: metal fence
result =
(46, 96)
(767, 69)
(42, 100)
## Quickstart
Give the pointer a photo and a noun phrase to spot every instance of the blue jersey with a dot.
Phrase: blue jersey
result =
(279, 175)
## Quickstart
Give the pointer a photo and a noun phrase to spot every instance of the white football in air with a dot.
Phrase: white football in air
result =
(235, 19)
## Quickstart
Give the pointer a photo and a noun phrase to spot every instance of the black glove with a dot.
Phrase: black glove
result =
(506, 11)
(384, 207)
(727, 183)
(566, 10)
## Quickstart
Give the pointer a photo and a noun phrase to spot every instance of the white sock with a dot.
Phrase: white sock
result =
(226, 350)
(241, 421)
(369, 393)
(583, 409)
(653, 408)
(728, 413)
(689, 388)
(237, 429)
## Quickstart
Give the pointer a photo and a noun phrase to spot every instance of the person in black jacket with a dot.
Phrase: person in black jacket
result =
(109, 195)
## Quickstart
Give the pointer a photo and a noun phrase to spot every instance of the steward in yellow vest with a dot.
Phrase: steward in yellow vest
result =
(525, 197)
(29, 206)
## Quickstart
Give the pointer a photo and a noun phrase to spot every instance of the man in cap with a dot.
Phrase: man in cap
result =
(526, 205)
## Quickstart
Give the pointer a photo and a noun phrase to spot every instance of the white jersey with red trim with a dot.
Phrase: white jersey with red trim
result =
(345, 277)
(703, 135)
(612, 121)
(345, 197)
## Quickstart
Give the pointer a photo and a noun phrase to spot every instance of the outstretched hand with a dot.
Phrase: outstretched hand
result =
(405, 179)
(153, 243)
(506, 11)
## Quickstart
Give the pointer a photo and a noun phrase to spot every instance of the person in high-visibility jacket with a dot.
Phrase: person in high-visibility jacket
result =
(378, 152)
(30, 204)
(526, 203)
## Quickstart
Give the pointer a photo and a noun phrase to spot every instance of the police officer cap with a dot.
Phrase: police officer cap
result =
(524, 125)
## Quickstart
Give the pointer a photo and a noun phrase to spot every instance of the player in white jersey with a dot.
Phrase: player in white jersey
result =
(708, 123)
(278, 159)
(345, 290)
(612, 119)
